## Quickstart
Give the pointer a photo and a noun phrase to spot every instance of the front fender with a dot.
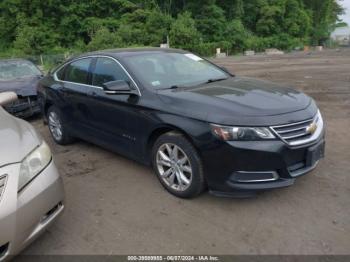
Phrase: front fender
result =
(198, 132)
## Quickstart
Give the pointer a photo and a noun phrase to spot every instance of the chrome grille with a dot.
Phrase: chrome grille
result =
(2, 185)
(301, 132)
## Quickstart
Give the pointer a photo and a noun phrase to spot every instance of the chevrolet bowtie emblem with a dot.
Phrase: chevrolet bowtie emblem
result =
(311, 128)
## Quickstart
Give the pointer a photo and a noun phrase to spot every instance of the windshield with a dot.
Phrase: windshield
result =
(166, 70)
(10, 70)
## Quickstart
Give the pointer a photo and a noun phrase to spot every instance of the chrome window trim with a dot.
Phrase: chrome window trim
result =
(98, 87)
(314, 137)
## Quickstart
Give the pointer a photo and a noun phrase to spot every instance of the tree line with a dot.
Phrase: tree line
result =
(55, 26)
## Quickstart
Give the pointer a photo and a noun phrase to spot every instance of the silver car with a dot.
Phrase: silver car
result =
(31, 190)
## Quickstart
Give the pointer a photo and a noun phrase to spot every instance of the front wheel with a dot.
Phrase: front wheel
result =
(178, 165)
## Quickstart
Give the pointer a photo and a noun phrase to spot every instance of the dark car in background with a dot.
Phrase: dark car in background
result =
(197, 124)
(20, 76)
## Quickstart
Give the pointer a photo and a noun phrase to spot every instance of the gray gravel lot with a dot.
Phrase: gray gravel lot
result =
(117, 206)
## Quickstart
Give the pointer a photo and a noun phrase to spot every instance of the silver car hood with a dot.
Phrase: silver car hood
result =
(17, 139)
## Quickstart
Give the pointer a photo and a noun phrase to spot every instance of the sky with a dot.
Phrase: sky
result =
(346, 16)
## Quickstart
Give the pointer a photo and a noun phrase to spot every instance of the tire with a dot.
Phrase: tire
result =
(182, 178)
(57, 127)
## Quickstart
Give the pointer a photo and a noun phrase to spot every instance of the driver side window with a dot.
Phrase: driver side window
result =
(107, 70)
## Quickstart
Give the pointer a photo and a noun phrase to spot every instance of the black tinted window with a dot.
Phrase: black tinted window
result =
(107, 70)
(78, 71)
(60, 73)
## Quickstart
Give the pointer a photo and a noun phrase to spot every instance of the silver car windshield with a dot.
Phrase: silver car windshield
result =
(166, 70)
(10, 70)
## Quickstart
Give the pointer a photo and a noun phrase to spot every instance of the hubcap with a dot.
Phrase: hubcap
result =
(55, 126)
(174, 167)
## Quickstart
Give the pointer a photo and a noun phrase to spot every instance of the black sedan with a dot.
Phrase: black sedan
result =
(198, 125)
(21, 77)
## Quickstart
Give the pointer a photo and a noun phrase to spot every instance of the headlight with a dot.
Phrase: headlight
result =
(230, 133)
(33, 164)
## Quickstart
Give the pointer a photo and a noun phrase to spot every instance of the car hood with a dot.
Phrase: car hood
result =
(238, 100)
(17, 139)
(21, 86)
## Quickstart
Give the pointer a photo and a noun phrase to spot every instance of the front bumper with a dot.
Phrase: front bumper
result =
(245, 168)
(24, 216)
(24, 107)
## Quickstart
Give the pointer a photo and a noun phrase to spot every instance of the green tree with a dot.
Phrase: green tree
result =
(35, 26)
(183, 32)
(236, 34)
(104, 39)
(144, 27)
(234, 9)
(324, 15)
(35, 40)
(296, 22)
(157, 27)
(210, 21)
(238, 10)
(270, 20)
(252, 10)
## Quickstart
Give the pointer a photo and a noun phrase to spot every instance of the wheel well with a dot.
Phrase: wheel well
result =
(162, 130)
(47, 106)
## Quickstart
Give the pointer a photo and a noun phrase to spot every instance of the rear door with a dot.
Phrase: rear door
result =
(74, 90)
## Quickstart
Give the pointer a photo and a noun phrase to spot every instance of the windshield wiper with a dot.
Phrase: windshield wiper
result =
(174, 87)
(206, 82)
(215, 80)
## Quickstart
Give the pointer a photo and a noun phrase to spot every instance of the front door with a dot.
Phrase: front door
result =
(111, 115)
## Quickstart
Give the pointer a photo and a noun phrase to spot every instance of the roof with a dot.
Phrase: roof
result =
(122, 52)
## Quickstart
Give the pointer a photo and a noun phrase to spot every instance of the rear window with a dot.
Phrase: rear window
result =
(60, 73)
(77, 72)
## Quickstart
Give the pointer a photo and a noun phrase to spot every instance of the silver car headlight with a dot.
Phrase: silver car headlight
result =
(232, 133)
(33, 164)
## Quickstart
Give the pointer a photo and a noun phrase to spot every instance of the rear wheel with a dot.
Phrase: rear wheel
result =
(57, 128)
(178, 165)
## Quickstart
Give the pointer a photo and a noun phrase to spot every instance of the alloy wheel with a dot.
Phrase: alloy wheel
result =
(174, 167)
(55, 126)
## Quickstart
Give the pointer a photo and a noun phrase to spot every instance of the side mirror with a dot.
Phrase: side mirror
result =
(7, 97)
(117, 87)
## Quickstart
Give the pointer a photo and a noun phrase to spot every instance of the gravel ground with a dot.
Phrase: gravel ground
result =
(117, 206)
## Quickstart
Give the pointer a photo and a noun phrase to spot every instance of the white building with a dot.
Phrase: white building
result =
(341, 35)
